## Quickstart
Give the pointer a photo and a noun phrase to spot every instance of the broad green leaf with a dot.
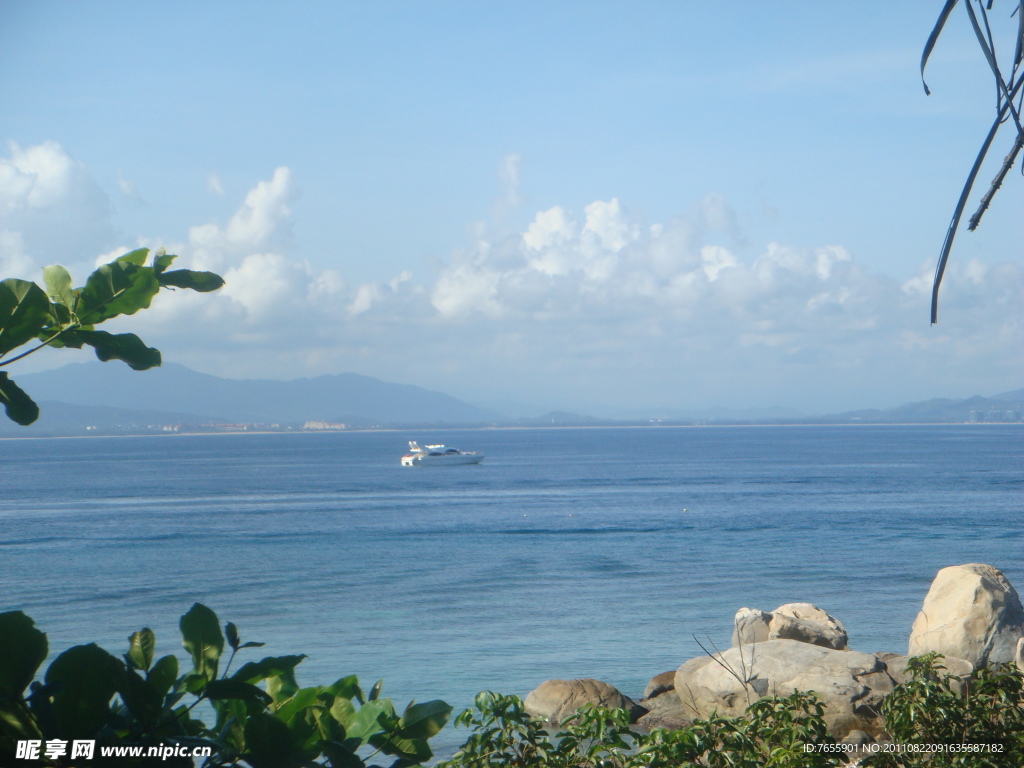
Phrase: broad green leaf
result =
(141, 645)
(422, 721)
(118, 288)
(368, 720)
(89, 678)
(342, 710)
(411, 750)
(20, 408)
(268, 742)
(346, 688)
(163, 674)
(204, 282)
(24, 311)
(137, 257)
(299, 703)
(58, 285)
(272, 666)
(282, 687)
(236, 689)
(194, 682)
(22, 649)
(67, 338)
(162, 261)
(126, 347)
(202, 638)
(143, 699)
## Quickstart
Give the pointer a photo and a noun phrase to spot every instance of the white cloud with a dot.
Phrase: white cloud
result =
(50, 207)
(213, 184)
(578, 307)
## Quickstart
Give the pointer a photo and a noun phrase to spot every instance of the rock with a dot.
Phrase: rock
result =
(1018, 657)
(896, 668)
(555, 700)
(971, 612)
(808, 624)
(665, 711)
(750, 626)
(666, 681)
(793, 621)
(851, 685)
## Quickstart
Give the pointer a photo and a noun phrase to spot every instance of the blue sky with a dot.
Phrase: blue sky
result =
(653, 207)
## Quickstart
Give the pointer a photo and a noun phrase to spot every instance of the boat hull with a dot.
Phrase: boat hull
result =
(442, 461)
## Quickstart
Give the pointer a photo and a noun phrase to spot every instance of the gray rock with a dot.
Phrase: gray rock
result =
(665, 711)
(851, 685)
(803, 622)
(555, 700)
(666, 681)
(970, 612)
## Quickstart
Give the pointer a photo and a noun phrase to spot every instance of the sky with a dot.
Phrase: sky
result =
(643, 208)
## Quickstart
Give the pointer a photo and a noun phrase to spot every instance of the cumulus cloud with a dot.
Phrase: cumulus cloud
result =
(51, 209)
(578, 308)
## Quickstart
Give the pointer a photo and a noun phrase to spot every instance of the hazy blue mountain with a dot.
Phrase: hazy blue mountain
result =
(346, 397)
(1007, 406)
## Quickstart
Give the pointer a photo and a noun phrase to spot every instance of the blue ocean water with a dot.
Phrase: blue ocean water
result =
(603, 553)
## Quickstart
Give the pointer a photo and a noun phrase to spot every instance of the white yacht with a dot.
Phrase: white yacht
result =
(438, 456)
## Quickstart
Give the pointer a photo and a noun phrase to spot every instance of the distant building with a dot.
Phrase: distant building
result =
(323, 426)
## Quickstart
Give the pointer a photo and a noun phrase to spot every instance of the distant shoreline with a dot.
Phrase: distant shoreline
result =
(510, 427)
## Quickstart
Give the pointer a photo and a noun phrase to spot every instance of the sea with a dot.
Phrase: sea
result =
(611, 553)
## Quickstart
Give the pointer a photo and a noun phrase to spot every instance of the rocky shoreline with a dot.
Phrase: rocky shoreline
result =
(971, 615)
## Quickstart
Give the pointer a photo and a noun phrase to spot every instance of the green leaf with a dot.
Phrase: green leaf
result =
(297, 704)
(163, 261)
(231, 633)
(126, 347)
(236, 689)
(268, 742)
(375, 691)
(89, 677)
(201, 637)
(58, 285)
(282, 687)
(24, 311)
(422, 721)
(368, 720)
(143, 699)
(141, 645)
(137, 257)
(163, 674)
(272, 666)
(346, 688)
(118, 288)
(20, 408)
(204, 282)
(22, 649)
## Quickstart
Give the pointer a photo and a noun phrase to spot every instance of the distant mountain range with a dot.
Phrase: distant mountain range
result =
(111, 395)
(98, 398)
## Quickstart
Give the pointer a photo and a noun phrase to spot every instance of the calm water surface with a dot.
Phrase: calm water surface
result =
(567, 553)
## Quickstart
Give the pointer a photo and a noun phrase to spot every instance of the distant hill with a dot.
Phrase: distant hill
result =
(99, 398)
(176, 394)
(1006, 407)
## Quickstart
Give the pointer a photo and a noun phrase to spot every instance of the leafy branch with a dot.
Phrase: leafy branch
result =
(62, 316)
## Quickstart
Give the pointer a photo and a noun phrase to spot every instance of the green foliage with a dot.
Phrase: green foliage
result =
(261, 717)
(977, 723)
(773, 732)
(63, 316)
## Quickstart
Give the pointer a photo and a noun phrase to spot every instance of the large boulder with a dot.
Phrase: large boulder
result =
(803, 622)
(555, 700)
(972, 612)
(850, 684)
